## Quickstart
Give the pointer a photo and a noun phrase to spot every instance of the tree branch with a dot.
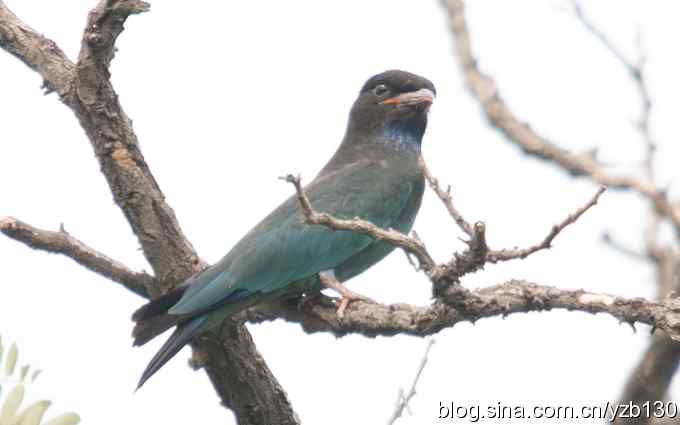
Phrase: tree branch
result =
(36, 51)
(404, 399)
(637, 72)
(484, 89)
(458, 304)
(63, 243)
(443, 275)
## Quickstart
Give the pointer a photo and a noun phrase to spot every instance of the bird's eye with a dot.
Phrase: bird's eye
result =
(380, 89)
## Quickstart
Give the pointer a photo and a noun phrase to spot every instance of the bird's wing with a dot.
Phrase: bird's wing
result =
(281, 248)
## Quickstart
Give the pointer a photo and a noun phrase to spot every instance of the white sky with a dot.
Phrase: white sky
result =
(227, 98)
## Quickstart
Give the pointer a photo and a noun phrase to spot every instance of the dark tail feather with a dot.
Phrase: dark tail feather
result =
(148, 329)
(152, 319)
(160, 305)
(177, 340)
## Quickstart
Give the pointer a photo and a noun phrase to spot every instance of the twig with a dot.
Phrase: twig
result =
(637, 71)
(602, 37)
(404, 399)
(447, 200)
(511, 254)
(63, 243)
(408, 244)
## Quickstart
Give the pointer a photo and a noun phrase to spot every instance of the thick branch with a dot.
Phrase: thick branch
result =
(63, 243)
(35, 50)
(134, 188)
(484, 88)
(459, 304)
(651, 378)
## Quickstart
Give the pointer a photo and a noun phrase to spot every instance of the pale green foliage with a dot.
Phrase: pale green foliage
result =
(11, 410)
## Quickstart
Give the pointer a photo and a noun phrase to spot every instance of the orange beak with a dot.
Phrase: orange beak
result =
(418, 97)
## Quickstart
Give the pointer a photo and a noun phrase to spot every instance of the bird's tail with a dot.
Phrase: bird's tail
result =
(177, 340)
(152, 319)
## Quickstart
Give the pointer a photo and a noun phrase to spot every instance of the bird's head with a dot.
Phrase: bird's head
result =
(393, 105)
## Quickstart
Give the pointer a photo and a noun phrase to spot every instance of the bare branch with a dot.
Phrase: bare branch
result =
(404, 399)
(646, 109)
(511, 254)
(442, 276)
(63, 243)
(602, 37)
(500, 116)
(458, 304)
(410, 245)
(35, 50)
(445, 197)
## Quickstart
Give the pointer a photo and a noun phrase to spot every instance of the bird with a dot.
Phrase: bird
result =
(375, 174)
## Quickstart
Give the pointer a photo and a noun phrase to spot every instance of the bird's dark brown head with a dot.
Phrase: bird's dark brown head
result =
(393, 105)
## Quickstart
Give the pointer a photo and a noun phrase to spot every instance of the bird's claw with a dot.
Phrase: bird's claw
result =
(347, 297)
(329, 281)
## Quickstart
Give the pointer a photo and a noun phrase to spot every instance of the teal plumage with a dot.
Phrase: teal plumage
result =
(375, 175)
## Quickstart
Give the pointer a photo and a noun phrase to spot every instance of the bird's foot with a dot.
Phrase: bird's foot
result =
(348, 297)
(329, 280)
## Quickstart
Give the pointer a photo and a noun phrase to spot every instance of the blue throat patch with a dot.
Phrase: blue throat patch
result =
(403, 136)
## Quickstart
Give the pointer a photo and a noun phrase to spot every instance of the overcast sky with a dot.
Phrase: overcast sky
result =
(227, 98)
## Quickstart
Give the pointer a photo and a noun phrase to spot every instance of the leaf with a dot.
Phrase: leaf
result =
(24, 371)
(64, 419)
(11, 362)
(33, 414)
(12, 403)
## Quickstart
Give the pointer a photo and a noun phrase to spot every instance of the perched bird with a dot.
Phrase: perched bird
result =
(375, 174)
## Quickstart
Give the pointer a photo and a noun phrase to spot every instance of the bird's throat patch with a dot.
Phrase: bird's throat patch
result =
(403, 136)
